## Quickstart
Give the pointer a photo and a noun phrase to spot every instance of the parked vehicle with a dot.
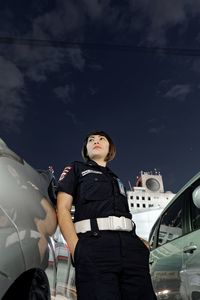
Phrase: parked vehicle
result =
(175, 246)
(65, 287)
(27, 222)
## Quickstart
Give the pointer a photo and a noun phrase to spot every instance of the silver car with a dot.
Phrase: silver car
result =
(27, 222)
(175, 246)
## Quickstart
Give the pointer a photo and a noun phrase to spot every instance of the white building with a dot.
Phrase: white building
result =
(147, 200)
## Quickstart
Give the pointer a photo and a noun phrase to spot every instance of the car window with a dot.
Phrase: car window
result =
(153, 234)
(194, 206)
(195, 217)
(194, 214)
(171, 225)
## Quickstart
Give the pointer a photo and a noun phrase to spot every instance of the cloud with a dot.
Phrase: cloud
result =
(156, 130)
(37, 63)
(12, 100)
(64, 22)
(66, 17)
(156, 17)
(22, 64)
(10, 76)
(94, 8)
(76, 58)
(178, 91)
(195, 65)
(64, 93)
(73, 117)
(12, 108)
(92, 91)
(67, 21)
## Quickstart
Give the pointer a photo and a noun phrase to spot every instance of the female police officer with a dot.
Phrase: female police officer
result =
(111, 262)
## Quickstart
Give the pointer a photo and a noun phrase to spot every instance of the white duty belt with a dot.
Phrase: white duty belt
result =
(109, 223)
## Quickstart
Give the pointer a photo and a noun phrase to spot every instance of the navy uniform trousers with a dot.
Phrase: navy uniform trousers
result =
(112, 265)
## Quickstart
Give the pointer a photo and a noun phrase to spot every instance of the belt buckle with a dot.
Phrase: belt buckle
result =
(117, 223)
(123, 223)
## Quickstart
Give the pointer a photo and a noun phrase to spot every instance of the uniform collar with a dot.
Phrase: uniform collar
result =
(91, 163)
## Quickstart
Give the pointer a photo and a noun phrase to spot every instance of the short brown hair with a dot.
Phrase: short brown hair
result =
(112, 148)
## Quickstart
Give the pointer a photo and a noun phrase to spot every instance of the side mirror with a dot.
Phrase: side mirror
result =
(196, 197)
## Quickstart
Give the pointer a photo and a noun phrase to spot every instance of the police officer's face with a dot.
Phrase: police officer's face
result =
(97, 147)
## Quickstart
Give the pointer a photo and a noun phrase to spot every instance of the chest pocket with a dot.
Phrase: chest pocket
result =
(95, 188)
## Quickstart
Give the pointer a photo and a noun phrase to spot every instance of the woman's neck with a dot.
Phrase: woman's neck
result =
(100, 162)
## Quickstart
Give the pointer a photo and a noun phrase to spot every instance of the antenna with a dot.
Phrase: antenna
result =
(130, 185)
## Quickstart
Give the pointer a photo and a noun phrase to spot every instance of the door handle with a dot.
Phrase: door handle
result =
(190, 249)
(151, 261)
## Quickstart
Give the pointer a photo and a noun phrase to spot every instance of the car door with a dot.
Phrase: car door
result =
(32, 221)
(190, 274)
(12, 261)
(166, 255)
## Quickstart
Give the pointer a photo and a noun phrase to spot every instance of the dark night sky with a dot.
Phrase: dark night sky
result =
(50, 97)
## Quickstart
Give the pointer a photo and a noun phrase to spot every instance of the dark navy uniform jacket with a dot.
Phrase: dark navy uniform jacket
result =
(97, 192)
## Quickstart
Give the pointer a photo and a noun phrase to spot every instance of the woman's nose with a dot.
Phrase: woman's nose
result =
(96, 142)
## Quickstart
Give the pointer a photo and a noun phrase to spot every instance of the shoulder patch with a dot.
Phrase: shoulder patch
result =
(65, 172)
